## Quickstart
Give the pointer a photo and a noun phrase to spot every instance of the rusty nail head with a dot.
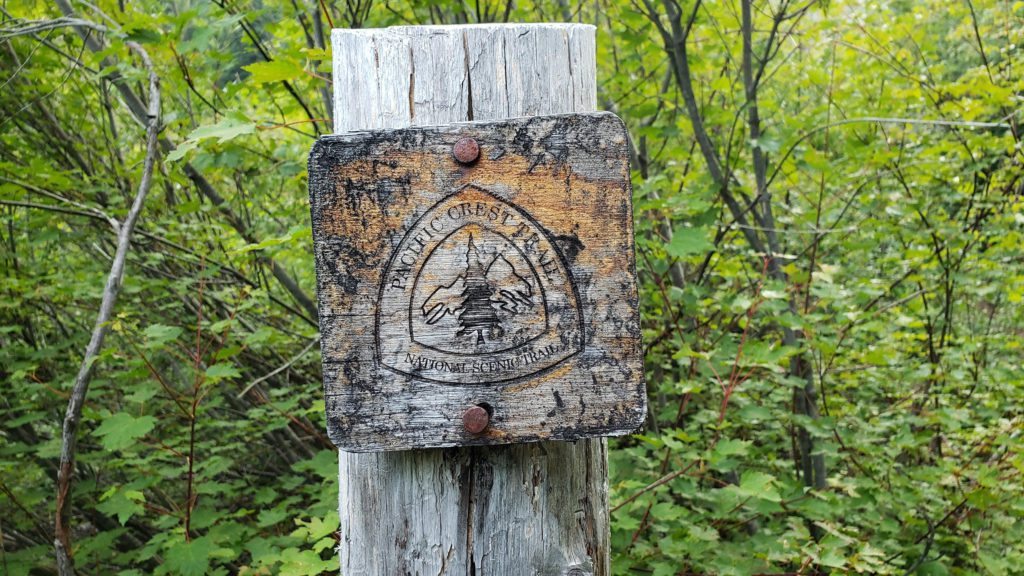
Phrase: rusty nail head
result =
(466, 151)
(475, 419)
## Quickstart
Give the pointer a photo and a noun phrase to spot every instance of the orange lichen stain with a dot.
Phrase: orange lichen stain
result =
(493, 433)
(561, 371)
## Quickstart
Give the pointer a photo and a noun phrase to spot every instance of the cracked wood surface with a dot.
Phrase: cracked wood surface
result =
(537, 508)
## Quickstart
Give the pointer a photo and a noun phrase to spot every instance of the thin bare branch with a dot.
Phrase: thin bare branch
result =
(281, 368)
(73, 414)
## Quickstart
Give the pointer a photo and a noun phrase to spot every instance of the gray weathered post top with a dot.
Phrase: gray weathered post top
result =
(472, 227)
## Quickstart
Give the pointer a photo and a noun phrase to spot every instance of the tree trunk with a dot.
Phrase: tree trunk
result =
(537, 508)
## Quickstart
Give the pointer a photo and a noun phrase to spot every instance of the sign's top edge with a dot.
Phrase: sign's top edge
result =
(435, 28)
(472, 123)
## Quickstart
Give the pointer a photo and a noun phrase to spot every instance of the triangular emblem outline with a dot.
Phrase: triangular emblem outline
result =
(563, 334)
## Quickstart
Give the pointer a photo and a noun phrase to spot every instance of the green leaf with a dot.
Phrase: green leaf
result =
(272, 516)
(730, 447)
(937, 568)
(705, 533)
(123, 503)
(274, 71)
(687, 241)
(756, 484)
(833, 557)
(231, 126)
(324, 464)
(220, 371)
(158, 335)
(766, 143)
(665, 569)
(317, 53)
(316, 529)
(190, 558)
(119, 431)
(144, 36)
(182, 149)
(295, 562)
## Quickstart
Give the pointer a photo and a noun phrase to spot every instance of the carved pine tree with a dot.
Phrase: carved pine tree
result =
(478, 313)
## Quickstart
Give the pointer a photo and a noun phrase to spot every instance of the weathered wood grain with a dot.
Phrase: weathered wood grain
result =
(537, 508)
(540, 227)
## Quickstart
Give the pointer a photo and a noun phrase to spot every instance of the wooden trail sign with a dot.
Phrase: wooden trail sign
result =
(513, 509)
(476, 283)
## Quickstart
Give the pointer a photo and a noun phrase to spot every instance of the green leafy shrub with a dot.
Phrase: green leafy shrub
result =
(831, 286)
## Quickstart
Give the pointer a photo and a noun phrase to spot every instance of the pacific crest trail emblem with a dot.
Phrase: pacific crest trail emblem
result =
(481, 294)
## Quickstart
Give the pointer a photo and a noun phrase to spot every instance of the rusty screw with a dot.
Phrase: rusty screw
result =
(475, 419)
(466, 151)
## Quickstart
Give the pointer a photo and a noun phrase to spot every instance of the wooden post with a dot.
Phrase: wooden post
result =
(539, 508)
